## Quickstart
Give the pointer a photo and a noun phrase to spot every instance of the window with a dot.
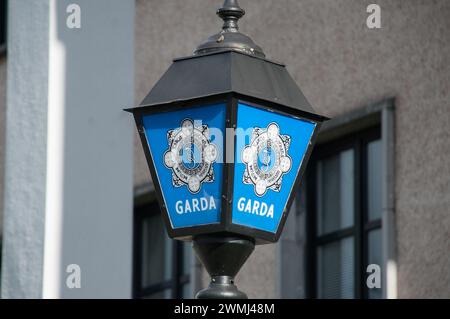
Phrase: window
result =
(161, 265)
(344, 216)
(3, 24)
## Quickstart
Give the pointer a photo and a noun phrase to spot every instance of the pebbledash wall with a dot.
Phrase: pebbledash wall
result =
(2, 131)
(341, 66)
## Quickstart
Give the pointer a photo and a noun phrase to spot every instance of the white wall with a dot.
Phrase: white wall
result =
(69, 149)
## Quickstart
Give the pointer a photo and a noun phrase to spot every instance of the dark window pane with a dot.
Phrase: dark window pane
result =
(374, 257)
(336, 270)
(163, 265)
(187, 258)
(165, 294)
(374, 179)
(335, 208)
(187, 255)
(3, 23)
(335, 192)
(186, 291)
(156, 252)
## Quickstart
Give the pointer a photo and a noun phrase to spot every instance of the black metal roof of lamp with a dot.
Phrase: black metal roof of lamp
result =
(226, 192)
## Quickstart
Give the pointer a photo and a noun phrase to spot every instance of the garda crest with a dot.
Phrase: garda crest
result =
(190, 156)
(266, 159)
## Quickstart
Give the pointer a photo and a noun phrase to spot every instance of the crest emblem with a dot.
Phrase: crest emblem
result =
(190, 156)
(266, 159)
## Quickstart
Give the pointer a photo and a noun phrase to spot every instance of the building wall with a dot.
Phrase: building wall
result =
(341, 65)
(2, 132)
(66, 203)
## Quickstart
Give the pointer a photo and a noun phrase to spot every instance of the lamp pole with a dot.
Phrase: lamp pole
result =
(223, 255)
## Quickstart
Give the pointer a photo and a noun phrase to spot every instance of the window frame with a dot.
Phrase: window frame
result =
(293, 276)
(361, 228)
(177, 279)
(3, 26)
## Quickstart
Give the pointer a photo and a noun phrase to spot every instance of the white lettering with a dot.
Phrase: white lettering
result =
(255, 207)
(263, 211)
(270, 213)
(194, 205)
(187, 207)
(73, 21)
(74, 278)
(212, 203)
(248, 207)
(204, 203)
(241, 204)
(179, 207)
(374, 19)
(374, 278)
(187, 309)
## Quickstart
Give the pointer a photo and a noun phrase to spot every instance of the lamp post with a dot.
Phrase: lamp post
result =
(227, 134)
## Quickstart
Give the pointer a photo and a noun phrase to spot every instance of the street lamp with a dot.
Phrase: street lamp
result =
(227, 134)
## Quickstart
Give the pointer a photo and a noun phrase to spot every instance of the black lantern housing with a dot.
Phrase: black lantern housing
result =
(227, 76)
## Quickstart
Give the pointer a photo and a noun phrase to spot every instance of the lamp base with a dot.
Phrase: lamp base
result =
(223, 256)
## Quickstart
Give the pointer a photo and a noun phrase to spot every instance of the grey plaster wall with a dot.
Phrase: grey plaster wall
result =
(24, 188)
(341, 65)
(97, 185)
(2, 132)
(68, 188)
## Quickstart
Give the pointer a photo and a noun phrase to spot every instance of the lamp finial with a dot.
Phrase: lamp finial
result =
(229, 38)
(230, 13)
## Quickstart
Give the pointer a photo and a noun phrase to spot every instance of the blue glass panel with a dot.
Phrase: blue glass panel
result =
(269, 152)
(187, 150)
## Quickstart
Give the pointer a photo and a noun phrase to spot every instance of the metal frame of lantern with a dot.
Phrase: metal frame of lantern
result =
(231, 72)
(225, 225)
